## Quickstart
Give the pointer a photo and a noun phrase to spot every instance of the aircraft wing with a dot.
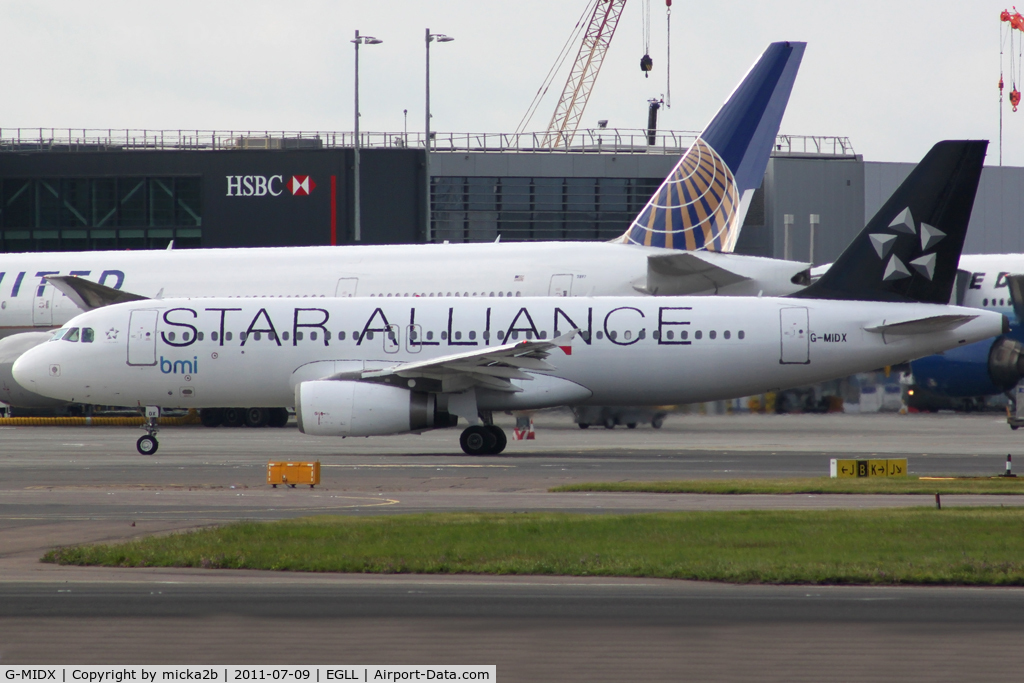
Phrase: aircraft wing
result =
(492, 367)
(685, 272)
(927, 325)
(89, 295)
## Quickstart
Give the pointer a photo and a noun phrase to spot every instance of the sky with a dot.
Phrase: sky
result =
(894, 76)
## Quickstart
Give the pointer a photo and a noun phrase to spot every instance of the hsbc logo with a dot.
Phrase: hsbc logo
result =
(274, 186)
(301, 185)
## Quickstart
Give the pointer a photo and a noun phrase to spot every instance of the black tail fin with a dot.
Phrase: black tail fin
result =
(909, 251)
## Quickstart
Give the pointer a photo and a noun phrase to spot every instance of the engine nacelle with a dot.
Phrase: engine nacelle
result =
(984, 368)
(346, 408)
(1006, 362)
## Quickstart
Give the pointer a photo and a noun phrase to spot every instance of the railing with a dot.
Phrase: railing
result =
(586, 141)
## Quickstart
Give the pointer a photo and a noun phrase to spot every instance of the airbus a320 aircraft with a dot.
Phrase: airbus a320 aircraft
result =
(699, 207)
(362, 367)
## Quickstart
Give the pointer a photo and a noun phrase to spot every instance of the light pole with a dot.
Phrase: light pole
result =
(441, 38)
(358, 232)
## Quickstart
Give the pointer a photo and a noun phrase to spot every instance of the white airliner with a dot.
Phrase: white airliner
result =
(673, 247)
(364, 366)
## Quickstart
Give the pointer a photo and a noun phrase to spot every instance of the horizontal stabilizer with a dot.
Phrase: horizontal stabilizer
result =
(89, 295)
(685, 272)
(929, 325)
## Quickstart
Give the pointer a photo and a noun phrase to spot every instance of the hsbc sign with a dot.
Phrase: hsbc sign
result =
(275, 185)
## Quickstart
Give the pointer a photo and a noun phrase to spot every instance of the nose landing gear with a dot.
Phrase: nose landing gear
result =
(147, 444)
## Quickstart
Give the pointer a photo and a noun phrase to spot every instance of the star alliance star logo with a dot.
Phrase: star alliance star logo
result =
(884, 242)
(112, 334)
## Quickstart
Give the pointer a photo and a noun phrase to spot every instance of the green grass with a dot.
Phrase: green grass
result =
(807, 485)
(969, 546)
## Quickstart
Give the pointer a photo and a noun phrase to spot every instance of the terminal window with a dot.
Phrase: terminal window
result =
(478, 209)
(77, 214)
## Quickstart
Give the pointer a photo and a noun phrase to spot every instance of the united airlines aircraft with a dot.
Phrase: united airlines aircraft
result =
(365, 367)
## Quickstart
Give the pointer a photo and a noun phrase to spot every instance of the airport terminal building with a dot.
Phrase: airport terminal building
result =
(64, 190)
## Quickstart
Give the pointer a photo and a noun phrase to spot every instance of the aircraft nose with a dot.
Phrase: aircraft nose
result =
(36, 370)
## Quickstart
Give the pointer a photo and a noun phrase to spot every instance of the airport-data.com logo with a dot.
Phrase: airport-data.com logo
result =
(269, 186)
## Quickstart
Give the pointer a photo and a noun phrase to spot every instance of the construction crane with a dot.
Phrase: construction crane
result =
(597, 25)
(596, 39)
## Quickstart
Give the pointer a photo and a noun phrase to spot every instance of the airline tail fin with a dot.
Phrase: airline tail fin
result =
(910, 250)
(702, 203)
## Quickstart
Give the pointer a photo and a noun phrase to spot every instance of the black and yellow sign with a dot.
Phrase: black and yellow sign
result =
(896, 467)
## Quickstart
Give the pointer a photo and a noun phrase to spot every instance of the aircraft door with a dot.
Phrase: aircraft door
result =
(42, 305)
(142, 338)
(346, 286)
(796, 345)
(392, 339)
(561, 285)
(413, 337)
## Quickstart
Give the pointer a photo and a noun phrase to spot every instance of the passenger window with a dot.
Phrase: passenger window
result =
(684, 334)
(458, 334)
(642, 335)
(298, 336)
(740, 334)
(726, 334)
(501, 335)
(72, 335)
(341, 335)
(712, 334)
(430, 335)
(369, 335)
(515, 335)
(88, 336)
(670, 334)
(257, 336)
(656, 334)
(984, 302)
(444, 335)
(285, 336)
(698, 334)
(628, 334)
(242, 336)
(200, 336)
(613, 335)
(600, 334)
(214, 336)
(472, 334)
(327, 335)
(170, 335)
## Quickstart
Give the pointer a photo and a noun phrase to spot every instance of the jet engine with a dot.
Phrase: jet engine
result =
(984, 368)
(346, 408)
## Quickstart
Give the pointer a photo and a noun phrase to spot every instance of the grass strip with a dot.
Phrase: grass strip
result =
(962, 546)
(807, 485)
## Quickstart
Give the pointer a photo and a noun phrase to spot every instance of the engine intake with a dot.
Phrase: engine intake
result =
(1006, 363)
(346, 408)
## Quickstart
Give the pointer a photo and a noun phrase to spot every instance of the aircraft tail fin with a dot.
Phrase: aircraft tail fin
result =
(910, 249)
(703, 201)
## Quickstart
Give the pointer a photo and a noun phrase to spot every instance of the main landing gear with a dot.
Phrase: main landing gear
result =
(147, 444)
(483, 440)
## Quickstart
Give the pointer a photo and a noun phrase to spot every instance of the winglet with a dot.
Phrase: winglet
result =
(89, 295)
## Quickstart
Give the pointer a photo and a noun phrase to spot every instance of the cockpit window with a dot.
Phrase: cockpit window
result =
(59, 333)
(88, 335)
(72, 335)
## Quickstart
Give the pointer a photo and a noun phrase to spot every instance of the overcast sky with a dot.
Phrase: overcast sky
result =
(894, 76)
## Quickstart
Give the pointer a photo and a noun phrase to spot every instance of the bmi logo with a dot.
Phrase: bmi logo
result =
(301, 185)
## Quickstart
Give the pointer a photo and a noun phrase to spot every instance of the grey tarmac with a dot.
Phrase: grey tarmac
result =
(65, 485)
